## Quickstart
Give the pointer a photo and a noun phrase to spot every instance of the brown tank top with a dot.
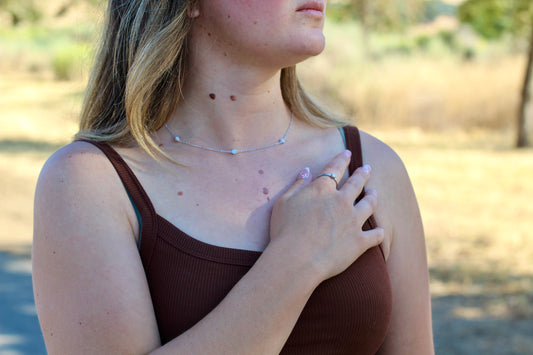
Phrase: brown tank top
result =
(346, 314)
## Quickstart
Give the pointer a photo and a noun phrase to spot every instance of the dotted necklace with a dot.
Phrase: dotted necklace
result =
(234, 151)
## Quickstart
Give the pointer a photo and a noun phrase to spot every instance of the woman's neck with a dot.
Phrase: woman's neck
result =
(223, 106)
(231, 96)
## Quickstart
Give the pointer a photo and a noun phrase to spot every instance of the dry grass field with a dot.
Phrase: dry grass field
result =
(450, 121)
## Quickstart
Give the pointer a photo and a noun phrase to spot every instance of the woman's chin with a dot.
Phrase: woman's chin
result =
(313, 47)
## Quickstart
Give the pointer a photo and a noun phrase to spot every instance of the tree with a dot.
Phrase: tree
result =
(68, 4)
(387, 14)
(21, 10)
(382, 15)
(32, 10)
(495, 18)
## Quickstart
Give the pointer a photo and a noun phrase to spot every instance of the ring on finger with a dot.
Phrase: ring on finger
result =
(332, 176)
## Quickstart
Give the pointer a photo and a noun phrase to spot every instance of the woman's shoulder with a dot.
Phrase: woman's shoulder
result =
(78, 165)
(388, 168)
(73, 159)
(79, 181)
(380, 156)
(396, 198)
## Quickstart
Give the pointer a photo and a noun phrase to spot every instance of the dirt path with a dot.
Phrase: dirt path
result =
(469, 332)
(19, 328)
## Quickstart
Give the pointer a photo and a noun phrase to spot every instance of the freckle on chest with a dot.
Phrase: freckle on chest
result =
(265, 190)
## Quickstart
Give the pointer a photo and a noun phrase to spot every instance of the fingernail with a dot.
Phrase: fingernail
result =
(367, 168)
(304, 174)
(347, 153)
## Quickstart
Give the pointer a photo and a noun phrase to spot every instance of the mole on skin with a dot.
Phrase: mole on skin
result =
(261, 172)
(212, 96)
(265, 190)
(233, 98)
(180, 193)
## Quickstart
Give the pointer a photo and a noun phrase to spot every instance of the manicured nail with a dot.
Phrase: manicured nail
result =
(367, 168)
(347, 153)
(304, 174)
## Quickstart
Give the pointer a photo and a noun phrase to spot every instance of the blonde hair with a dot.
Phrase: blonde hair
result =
(139, 71)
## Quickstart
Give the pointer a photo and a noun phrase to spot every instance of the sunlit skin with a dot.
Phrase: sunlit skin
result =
(268, 33)
(237, 51)
(86, 231)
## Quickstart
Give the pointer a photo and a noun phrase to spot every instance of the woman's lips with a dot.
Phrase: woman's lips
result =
(315, 8)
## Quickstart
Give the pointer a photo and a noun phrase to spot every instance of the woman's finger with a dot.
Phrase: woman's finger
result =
(334, 170)
(366, 207)
(303, 179)
(353, 186)
(373, 238)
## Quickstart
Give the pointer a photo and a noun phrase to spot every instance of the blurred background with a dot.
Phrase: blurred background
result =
(447, 84)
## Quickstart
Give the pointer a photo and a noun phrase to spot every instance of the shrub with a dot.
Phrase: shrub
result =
(423, 42)
(448, 38)
(69, 61)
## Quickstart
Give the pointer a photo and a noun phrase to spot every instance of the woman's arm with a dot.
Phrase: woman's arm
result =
(410, 330)
(91, 292)
(89, 284)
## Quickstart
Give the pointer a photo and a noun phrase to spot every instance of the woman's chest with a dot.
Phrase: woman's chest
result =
(223, 207)
(227, 200)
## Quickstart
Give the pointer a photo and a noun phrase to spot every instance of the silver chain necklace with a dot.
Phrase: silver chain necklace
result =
(234, 151)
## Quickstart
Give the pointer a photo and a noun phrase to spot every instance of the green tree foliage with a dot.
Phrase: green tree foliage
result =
(380, 15)
(21, 10)
(32, 10)
(494, 18)
(68, 4)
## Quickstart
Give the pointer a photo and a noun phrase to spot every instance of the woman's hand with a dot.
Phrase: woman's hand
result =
(319, 223)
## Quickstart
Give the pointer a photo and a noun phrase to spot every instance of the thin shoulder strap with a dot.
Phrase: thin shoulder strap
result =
(353, 143)
(139, 198)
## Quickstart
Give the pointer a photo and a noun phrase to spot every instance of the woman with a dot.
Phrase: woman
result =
(186, 131)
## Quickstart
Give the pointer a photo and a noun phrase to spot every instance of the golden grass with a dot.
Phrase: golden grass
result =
(476, 206)
(37, 116)
(436, 91)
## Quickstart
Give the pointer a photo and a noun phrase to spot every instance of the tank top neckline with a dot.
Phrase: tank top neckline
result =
(152, 224)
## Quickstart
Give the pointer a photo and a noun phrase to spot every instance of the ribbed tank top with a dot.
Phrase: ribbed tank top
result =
(346, 314)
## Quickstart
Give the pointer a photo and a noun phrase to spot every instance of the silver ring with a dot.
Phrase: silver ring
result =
(331, 176)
